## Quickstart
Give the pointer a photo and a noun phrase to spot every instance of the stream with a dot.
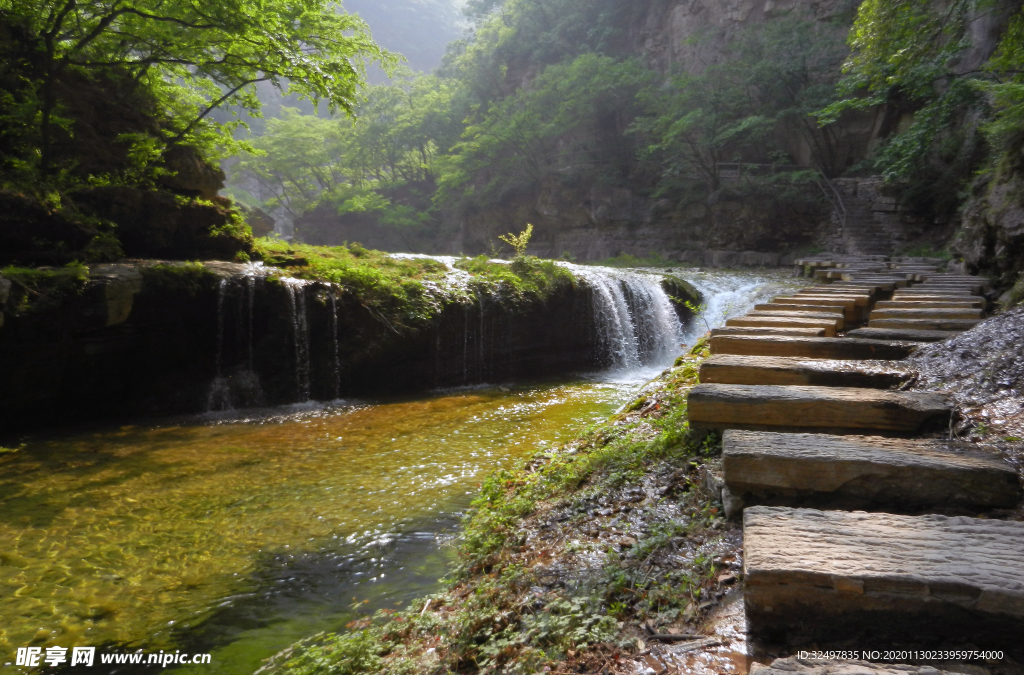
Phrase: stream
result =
(241, 531)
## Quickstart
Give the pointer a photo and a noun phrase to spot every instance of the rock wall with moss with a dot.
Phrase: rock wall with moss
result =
(119, 341)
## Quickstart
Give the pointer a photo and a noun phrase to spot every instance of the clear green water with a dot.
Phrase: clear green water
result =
(240, 536)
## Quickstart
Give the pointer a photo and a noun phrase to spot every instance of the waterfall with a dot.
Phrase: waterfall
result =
(219, 396)
(335, 355)
(235, 381)
(725, 296)
(636, 324)
(300, 333)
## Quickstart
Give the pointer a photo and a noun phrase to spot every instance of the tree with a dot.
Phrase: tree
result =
(571, 118)
(393, 138)
(193, 57)
(739, 110)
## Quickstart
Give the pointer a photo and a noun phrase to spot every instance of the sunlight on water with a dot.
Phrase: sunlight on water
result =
(130, 536)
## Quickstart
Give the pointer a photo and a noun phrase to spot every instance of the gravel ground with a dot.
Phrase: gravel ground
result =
(983, 372)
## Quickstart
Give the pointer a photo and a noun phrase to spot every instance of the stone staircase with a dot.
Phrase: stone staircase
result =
(860, 532)
(873, 225)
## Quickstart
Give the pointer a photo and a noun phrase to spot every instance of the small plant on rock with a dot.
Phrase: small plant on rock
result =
(519, 242)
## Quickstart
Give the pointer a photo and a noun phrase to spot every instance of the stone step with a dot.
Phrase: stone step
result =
(928, 304)
(921, 290)
(814, 348)
(842, 410)
(952, 288)
(928, 313)
(911, 334)
(783, 307)
(854, 306)
(792, 370)
(858, 299)
(796, 312)
(937, 297)
(794, 665)
(888, 581)
(830, 325)
(867, 473)
(761, 330)
(925, 324)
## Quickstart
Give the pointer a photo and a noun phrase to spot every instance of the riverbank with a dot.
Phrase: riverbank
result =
(573, 561)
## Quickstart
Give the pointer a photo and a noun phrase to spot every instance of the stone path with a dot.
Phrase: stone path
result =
(874, 563)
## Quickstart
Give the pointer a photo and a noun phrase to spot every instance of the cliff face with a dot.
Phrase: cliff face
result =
(991, 234)
(690, 35)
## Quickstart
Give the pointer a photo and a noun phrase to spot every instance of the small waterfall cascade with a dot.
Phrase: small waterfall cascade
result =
(235, 382)
(636, 324)
(307, 342)
(335, 353)
(725, 296)
(300, 333)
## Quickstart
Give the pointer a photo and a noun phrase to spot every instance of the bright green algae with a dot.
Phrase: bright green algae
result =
(109, 537)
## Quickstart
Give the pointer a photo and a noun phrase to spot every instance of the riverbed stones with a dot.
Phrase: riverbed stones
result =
(880, 581)
(815, 348)
(842, 410)
(791, 370)
(865, 472)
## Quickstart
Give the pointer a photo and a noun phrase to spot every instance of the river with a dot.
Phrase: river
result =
(239, 532)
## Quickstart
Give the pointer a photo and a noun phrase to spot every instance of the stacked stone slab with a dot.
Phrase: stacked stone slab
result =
(857, 532)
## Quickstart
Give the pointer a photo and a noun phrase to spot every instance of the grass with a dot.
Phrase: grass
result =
(926, 251)
(492, 618)
(408, 291)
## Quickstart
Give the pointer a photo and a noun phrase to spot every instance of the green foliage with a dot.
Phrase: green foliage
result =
(394, 138)
(777, 74)
(338, 654)
(1005, 129)
(581, 107)
(1015, 296)
(910, 56)
(518, 242)
(35, 290)
(188, 58)
(185, 280)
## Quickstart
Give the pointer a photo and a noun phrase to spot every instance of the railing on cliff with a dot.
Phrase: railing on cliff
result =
(835, 199)
(737, 170)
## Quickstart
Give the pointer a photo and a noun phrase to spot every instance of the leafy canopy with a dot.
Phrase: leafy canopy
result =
(193, 57)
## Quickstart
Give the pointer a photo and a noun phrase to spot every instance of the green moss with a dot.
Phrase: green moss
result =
(927, 251)
(182, 280)
(524, 279)
(411, 291)
(39, 289)
(1015, 295)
